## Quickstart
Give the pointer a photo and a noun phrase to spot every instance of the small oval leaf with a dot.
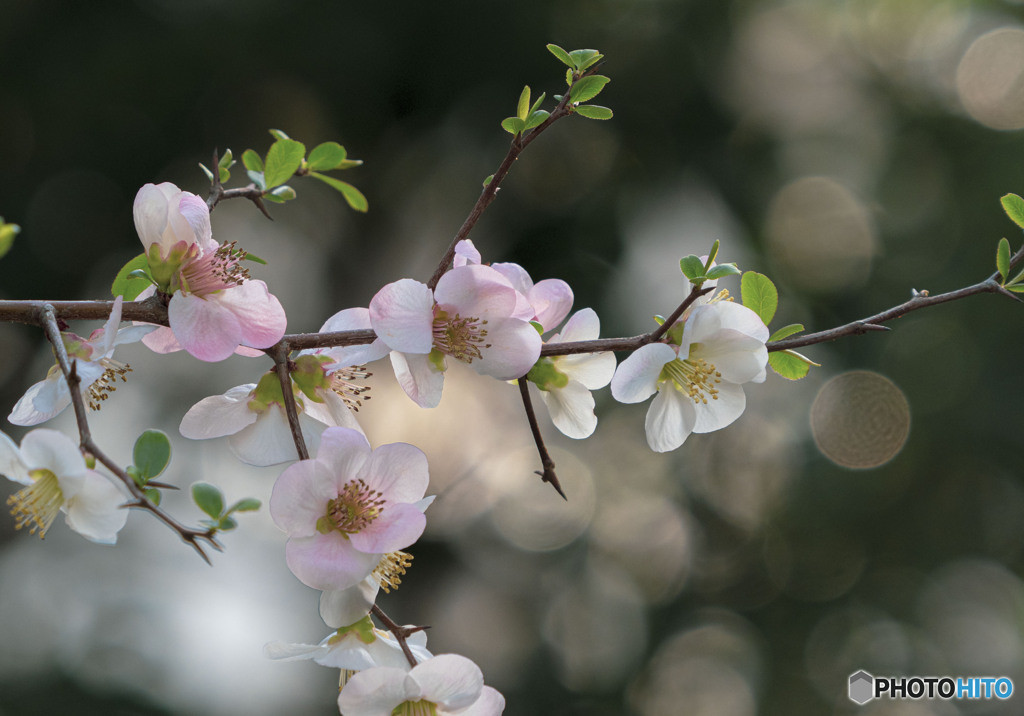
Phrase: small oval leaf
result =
(561, 54)
(252, 161)
(594, 111)
(353, 196)
(759, 295)
(1003, 259)
(587, 88)
(327, 156)
(283, 159)
(1013, 205)
(152, 453)
(127, 283)
(208, 498)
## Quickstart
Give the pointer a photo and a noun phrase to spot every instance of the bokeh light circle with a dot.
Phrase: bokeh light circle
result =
(990, 79)
(860, 420)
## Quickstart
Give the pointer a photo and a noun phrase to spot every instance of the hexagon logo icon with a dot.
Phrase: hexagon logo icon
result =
(862, 687)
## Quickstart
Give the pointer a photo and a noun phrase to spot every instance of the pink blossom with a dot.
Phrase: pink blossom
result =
(350, 507)
(468, 317)
(215, 307)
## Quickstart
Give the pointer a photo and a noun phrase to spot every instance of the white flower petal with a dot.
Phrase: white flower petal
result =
(54, 451)
(93, 506)
(342, 607)
(514, 348)
(490, 703)
(451, 681)
(636, 378)
(376, 692)
(268, 440)
(594, 370)
(670, 419)
(12, 466)
(571, 409)
(219, 415)
(584, 325)
(42, 401)
(721, 412)
(279, 651)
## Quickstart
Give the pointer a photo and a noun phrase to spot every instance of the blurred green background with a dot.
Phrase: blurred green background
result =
(852, 150)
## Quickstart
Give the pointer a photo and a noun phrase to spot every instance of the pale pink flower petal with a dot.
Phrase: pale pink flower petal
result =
(93, 506)
(328, 561)
(477, 291)
(395, 528)
(402, 314)
(465, 253)
(352, 319)
(300, 495)
(342, 607)
(344, 455)
(552, 300)
(515, 347)
(398, 471)
(419, 377)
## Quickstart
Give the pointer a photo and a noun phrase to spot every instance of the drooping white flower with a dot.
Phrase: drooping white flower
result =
(446, 684)
(57, 480)
(565, 381)
(94, 363)
(354, 647)
(697, 376)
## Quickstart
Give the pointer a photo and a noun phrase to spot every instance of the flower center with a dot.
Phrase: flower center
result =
(390, 569)
(103, 386)
(694, 376)
(37, 503)
(461, 338)
(341, 383)
(215, 271)
(415, 708)
(345, 677)
(353, 510)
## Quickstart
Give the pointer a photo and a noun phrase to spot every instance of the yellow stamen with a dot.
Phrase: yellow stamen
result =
(103, 386)
(390, 569)
(37, 503)
(693, 376)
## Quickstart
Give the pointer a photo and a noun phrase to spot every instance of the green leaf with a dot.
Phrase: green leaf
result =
(252, 161)
(254, 258)
(281, 194)
(136, 474)
(1013, 205)
(1016, 279)
(327, 156)
(208, 498)
(1016, 288)
(225, 175)
(127, 283)
(523, 108)
(152, 453)
(789, 364)
(593, 111)
(1003, 259)
(7, 234)
(536, 119)
(587, 88)
(691, 266)
(349, 163)
(712, 254)
(153, 495)
(283, 159)
(488, 179)
(759, 295)
(536, 105)
(257, 179)
(353, 196)
(582, 59)
(207, 172)
(786, 331)
(513, 125)
(278, 134)
(723, 270)
(227, 160)
(248, 504)
(562, 55)
(227, 523)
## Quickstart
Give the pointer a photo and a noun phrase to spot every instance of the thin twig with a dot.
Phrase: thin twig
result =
(282, 366)
(401, 633)
(548, 475)
(47, 319)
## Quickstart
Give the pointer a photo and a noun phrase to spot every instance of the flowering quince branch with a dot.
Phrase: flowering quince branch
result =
(192, 537)
(283, 367)
(401, 633)
(548, 475)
